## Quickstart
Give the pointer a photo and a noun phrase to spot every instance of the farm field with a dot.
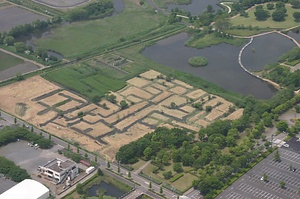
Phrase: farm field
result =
(82, 37)
(8, 61)
(269, 23)
(13, 15)
(105, 127)
(61, 4)
(92, 78)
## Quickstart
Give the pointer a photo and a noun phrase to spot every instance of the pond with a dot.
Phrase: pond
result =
(223, 68)
(119, 6)
(196, 7)
(110, 190)
(265, 50)
(295, 35)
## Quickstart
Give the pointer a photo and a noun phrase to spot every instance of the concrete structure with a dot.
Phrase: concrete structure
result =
(28, 188)
(59, 170)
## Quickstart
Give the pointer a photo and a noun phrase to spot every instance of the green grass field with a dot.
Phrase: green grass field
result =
(86, 36)
(209, 40)
(89, 79)
(7, 61)
(269, 23)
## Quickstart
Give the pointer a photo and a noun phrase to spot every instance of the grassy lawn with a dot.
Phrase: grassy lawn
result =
(209, 40)
(269, 23)
(137, 165)
(89, 78)
(86, 36)
(184, 182)
(8, 61)
(245, 32)
(181, 184)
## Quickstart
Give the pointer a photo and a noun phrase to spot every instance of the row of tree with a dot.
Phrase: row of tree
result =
(12, 171)
(91, 11)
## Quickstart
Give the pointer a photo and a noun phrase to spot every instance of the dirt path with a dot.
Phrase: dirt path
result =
(142, 167)
(41, 66)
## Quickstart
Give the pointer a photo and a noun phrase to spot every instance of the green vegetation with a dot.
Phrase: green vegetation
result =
(8, 61)
(11, 134)
(269, 22)
(198, 61)
(91, 79)
(12, 171)
(213, 39)
(87, 36)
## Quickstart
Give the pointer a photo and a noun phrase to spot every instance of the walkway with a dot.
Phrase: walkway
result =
(142, 167)
(228, 7)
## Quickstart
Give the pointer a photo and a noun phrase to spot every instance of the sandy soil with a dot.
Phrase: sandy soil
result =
(99, 129)
(178, 90)
(105, 112)
(137, 92)
(178, 100)
(183, 125)
(182, 84)
(160, 117)
(69, 105)
(214, 114)
(165, 83)
(159, 86)
(134, 99)
(150, 74)
(152, 90)
(161, 97)
(138, 82)
(196, 94)
(188, 109)
(235, 115)
(54, 99)
(135, 132)
(150, 121)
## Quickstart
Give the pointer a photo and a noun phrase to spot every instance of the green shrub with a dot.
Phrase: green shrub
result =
(198, 61)
(176, 177)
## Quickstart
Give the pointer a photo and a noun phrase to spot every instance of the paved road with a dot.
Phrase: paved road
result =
(144, 183)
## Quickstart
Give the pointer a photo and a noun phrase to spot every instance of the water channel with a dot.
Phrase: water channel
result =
(223, 68)
(110, 190)
(196, 7)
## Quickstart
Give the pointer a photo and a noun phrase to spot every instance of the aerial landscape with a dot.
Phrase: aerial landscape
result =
(141, 99)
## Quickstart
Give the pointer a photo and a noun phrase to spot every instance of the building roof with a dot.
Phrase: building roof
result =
(59, 165)
(26, 189)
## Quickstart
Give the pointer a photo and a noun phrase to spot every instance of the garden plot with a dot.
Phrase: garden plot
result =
(12, 16)
(105, 127)
(235, 115)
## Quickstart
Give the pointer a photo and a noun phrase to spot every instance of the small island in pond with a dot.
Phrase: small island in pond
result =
(198, 61)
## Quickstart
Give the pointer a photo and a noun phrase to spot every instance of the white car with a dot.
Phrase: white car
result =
(262, 178)
(286, 145)
(298, 140)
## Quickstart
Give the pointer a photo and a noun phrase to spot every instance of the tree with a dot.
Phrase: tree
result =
(161, 191)
(261, 14)
(270, 6)
(148, 152)
(15, 120)
(208, 108)
(78, 150)
(265, 177)
(96, 159)
(167, 175)
(9, 40)
(150, 185)
(172, 105)
(282, 126)
(129, 174)
(108, 164)
(177, 167)
(296, 15)
(278, 15)
(112, 98)
(222, 24)
(119, 170)
(79, 188)
(100, 172)
(295, 3)
(123, 104)
(282, 184)
(299, 190)
(31, 129)
(276, 156)
(68, 147)
(20, 47)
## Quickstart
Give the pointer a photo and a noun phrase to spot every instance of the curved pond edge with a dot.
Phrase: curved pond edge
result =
(277, 86)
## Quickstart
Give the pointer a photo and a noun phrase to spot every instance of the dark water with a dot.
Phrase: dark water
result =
(223, 68)
(295, 35)
(110, 190)
(196, 7)
(20, 68)
(265, 50)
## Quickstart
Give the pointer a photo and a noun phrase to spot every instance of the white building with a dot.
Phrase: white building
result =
(59, 169)
(29, 189)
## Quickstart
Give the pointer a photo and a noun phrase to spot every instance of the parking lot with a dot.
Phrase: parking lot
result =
(28, 157)
(251, 185)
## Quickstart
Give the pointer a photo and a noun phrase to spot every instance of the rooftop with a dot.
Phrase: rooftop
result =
(59, 165)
